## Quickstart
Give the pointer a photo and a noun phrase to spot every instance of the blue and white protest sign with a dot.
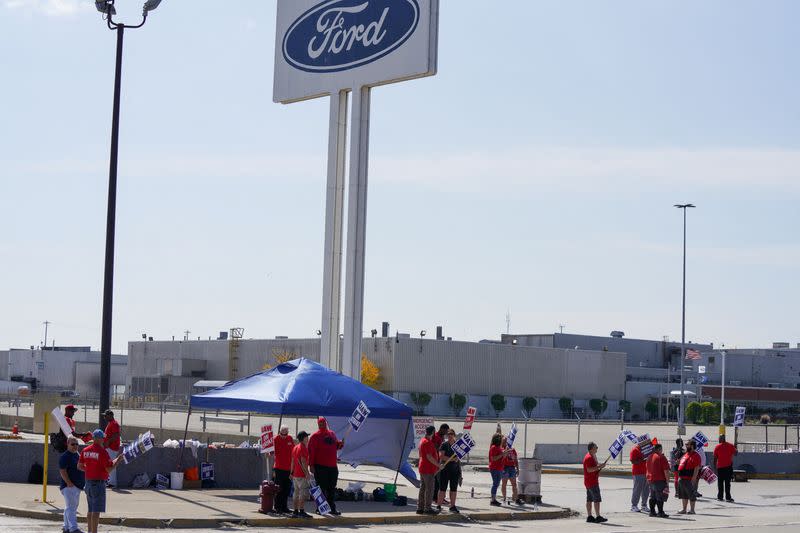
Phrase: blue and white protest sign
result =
(359, 416)
(738, 419)
(616, 448)
(645, 444)
(162, 482)
(700, 439)
(140, 446)
(319, 499)
(630, 435)
(512, 436)
(206, 471)
(462, 446)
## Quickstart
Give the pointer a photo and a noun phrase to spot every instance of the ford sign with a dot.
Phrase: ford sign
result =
(339, 35)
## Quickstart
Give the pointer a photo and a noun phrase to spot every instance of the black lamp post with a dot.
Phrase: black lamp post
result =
(107, 8)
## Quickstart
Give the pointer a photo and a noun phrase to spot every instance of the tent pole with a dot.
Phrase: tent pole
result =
(402, 452)
(185, 433)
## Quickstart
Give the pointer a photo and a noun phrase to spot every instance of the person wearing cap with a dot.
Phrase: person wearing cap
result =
(69, 413)
(113, 442)
(72, 483)
(428, 468)
(322, 460)
(284, 443)
(95, 462)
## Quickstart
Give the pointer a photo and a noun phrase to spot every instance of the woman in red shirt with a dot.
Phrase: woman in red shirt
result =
(497, 457)
(510, 472)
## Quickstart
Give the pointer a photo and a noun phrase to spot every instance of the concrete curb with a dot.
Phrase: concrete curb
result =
(347, 521)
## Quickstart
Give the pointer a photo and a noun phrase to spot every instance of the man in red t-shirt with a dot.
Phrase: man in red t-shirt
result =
(96, 464)
(639, 472)
(428, 467)
(300, 475)
(723, 464)
(69, 414)
(657, 475)
(113, 441)
(688, 473)
(284, 443)
(591, 480)
(322, 460)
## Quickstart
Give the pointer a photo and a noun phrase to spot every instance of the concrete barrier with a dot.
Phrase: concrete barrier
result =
(560, 454)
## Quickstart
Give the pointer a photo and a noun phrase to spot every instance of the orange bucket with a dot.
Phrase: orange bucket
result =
(191, 474)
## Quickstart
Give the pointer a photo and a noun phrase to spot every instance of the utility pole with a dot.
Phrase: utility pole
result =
(46, 323)
(681, 425)
(561, 328)
(508, 321)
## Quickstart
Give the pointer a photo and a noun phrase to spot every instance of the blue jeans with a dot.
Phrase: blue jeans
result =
(72, 497)
(96, 495)
(497, 475)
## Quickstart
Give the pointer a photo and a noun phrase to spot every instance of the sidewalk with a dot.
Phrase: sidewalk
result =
(213, 508)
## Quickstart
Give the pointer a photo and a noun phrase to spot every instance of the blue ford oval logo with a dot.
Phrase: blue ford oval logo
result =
(339, 35)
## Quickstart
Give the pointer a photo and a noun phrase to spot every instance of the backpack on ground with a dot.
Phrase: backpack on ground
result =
(59, 441)
(36, 474)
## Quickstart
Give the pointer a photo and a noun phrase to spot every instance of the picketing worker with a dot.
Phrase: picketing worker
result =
(72, 483)
(284, 445)
(675, 458)
(113, 441)
(69, 414)
(639, 473)
(300, 476)
(497, 457)
(723, 464)
(510, 473)
(428, 467)
(96, 464)
(450, 472)
(322, 460)
(658, 479)
(688, 473)
(439, 438)
(591, 480)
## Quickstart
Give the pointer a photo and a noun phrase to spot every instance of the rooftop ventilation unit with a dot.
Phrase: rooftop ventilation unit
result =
(617, 334)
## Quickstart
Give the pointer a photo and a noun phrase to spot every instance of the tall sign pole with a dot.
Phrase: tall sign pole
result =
(342, 49)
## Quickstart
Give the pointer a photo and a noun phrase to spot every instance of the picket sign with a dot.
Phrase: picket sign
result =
(206, 471)
(645, 444)
(708, 475)
(616, 447)
(471, 412)
(162, 482)
(700, 439)
(420, 423)
(323, 506)
(463, 445)
(267, 439)
(62, 421)
(142, 445)
(512, 436)
(738, 419)
(630, 435)
(359, 416)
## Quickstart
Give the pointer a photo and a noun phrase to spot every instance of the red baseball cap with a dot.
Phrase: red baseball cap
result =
(71, 406)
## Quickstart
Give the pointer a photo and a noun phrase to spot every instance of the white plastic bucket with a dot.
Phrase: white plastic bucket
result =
(176, 480)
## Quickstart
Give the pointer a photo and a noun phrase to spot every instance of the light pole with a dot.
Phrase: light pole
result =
(681, 425)
(722, 397)
(107, 8)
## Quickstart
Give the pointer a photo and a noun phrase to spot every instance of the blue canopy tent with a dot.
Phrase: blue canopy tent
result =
(305, 388)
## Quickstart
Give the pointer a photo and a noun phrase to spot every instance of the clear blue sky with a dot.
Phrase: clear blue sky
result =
(536, 173)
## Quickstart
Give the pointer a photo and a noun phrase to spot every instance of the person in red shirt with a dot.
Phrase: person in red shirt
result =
(69, 414)
(300, 475)
(322, 460)
(639, 472)
(497, 456)
(113, 442)
(95, 462)
(591, 480)
(428, 467)
(657, 475)
(510, 473)
(439, 438)
(688, 472)
(284, 443)
(723, 464)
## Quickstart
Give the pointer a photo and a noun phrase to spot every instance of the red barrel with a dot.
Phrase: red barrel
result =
(268, 491)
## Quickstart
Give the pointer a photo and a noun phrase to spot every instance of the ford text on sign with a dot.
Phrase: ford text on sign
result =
(323, 47)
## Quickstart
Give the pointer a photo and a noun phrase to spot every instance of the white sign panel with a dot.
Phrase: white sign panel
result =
(326, 46)
(420, 424)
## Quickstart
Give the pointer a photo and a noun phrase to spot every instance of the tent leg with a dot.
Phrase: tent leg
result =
(185, 434)
(402, 453)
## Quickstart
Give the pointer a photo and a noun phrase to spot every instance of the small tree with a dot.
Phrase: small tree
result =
(598, 406)
(498, 402)
(565, 404)
(457, 403)
(279, 357)
(709, 413)
(528, 405)
(693, 412)
(370, 373)
(626, 405)
(765, 419)
(651, 408)
(421, 401)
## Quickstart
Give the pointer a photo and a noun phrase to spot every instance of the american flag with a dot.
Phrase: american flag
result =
(692, 355)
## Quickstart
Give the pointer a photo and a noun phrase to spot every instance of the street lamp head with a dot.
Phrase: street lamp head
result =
(150, 5)
(105, 6)
(684, 206)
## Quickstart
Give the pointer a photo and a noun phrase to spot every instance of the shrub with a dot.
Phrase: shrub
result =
(625, 404)
(709, 413)
(765, 419)
(498, 402)
(420, 400)
(528, 405)
(565, 404)
(598, 406)
(371, 375)
(457, 403)
(651, 408)
(693, 412)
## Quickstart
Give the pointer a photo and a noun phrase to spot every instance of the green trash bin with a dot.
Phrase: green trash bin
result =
(391, 491)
